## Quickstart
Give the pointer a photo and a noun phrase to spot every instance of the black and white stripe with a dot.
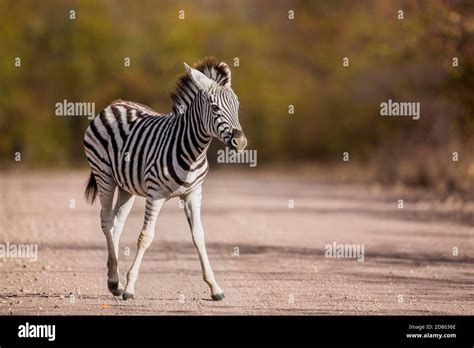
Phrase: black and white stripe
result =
(137, 151)
(140, 150)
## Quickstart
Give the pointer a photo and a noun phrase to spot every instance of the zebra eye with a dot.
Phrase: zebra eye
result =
(215, 108)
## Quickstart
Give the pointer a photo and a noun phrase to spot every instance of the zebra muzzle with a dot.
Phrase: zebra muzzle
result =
(238, 141)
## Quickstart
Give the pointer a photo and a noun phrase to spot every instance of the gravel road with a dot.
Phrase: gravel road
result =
(267, 252)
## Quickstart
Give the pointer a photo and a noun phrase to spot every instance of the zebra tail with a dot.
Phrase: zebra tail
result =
(91, 189)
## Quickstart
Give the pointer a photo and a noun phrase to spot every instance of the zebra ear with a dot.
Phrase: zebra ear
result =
(202, 82)
(226, 68)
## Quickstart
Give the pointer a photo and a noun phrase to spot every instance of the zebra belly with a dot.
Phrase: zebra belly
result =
(132, 178)
(129, 175)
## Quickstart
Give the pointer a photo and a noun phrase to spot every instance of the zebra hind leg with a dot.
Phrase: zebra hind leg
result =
(121, 210)
(106, 197)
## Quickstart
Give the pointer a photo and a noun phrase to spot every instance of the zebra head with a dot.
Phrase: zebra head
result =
(219, 104)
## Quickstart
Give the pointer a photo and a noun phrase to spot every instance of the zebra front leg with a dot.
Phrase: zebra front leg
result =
(121, 210)
(192, 207)
(152, 209)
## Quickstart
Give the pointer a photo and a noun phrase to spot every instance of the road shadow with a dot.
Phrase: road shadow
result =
(175, 250)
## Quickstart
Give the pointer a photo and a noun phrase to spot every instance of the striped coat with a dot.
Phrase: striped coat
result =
(134, 150)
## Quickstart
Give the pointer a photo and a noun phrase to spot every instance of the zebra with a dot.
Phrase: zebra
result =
(137, 151)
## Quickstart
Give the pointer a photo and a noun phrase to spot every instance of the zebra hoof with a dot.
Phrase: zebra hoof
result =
(218, 297)
(127, 296)
(114, 288)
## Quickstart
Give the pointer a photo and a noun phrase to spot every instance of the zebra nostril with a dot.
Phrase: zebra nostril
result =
(238, 141)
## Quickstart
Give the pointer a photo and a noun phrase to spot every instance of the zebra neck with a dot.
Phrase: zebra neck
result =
(193, 138)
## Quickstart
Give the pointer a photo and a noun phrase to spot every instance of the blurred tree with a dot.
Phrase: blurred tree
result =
(281, 62)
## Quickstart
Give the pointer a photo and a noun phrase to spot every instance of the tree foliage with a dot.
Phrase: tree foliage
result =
(282, 62)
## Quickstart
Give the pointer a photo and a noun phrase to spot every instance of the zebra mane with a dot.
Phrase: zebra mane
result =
(209, 66)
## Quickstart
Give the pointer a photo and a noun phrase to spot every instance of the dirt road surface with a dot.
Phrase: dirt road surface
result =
(269, 258)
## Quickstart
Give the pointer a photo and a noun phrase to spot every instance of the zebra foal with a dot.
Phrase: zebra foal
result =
(134, 150)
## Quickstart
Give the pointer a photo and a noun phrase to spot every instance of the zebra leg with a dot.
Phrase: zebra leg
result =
(152, 209)
(121, 210)
(192, 205)
(106, 197)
